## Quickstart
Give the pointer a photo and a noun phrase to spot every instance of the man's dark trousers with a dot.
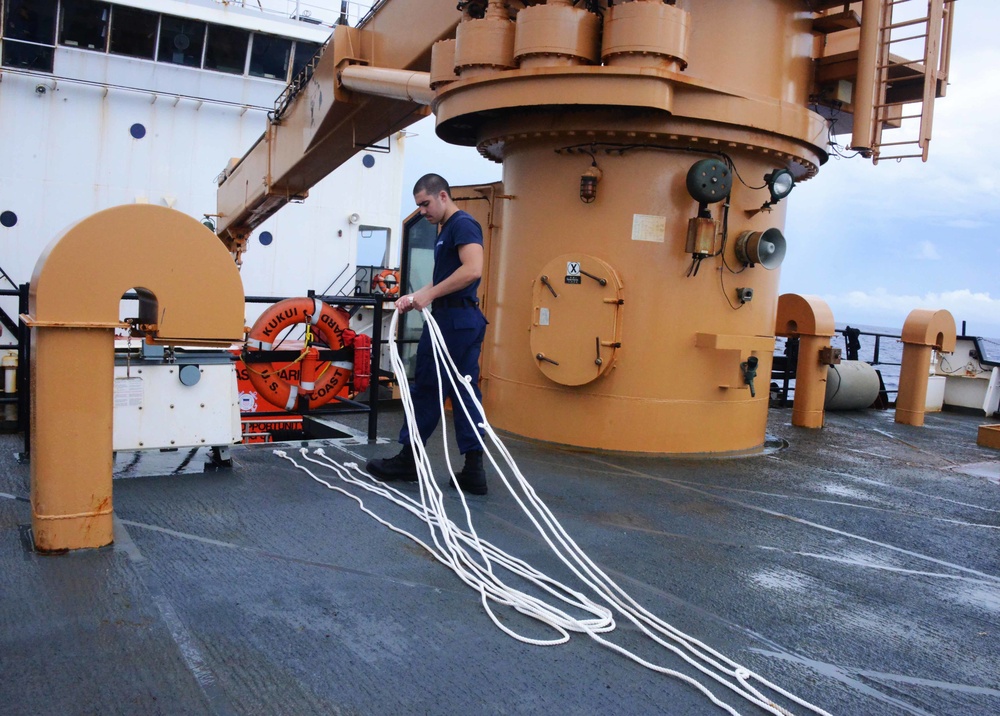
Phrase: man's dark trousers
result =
(463, 329)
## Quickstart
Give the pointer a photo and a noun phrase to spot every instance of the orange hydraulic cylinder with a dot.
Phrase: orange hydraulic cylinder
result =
(923, 332)
(864, 91)
(811, 319)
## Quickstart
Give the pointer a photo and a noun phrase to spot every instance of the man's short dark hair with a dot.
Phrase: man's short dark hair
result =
(431, 184)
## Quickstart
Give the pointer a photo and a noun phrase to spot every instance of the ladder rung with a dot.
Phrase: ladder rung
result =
(906, 39)
(882, 157)
(899, 144)
(906, 23)
(900, 64)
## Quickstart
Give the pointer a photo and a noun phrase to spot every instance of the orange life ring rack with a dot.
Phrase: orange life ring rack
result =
(387, 282)
(318, 383)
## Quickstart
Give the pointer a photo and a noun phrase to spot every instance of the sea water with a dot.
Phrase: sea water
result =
(889, 354)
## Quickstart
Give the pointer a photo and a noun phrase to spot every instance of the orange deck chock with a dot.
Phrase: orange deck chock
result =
(923, 332)
(190, 292)
(810, 319)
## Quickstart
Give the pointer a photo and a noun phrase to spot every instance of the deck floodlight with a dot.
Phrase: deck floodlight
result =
(780, 183)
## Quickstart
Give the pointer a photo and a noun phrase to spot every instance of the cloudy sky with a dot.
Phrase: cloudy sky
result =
(878, 241)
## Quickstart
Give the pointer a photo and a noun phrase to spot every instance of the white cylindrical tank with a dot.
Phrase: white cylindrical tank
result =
(851, 385)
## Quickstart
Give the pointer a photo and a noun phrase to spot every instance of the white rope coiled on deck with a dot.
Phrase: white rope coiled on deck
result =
(473, 559)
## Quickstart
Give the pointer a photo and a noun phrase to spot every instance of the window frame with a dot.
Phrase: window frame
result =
(246, 48)
(62, 13)
(159, 45)
(115, 8)
(18, 44)
(288, 59)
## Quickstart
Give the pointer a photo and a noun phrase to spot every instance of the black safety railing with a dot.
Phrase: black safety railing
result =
(339, 405)
(881, 350)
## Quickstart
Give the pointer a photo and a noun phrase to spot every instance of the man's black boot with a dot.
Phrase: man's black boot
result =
(400, 467)
(472, 478)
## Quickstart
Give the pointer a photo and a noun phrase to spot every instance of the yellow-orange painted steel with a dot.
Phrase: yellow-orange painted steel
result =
(923, 332)
(646, 34)
(810, 319)
(988, 436)
(680, 82)
(443, 63)
(676, 385)
(325, 126)
(556, 33)
(189, 287)
(486, 44)
(578, 302)
(867, 77)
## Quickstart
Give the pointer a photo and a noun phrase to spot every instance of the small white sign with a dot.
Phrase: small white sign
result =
(572, 268)
(128, 392)
(647, 227)
(543, 317)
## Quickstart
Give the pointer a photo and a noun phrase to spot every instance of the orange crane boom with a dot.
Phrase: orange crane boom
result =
(318, 125)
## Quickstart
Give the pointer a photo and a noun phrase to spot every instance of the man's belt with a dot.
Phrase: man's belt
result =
(453, 302)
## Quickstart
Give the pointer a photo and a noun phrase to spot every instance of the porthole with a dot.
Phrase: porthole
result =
(265, 238)
(368, 160)
(137, 131)
(8, 218)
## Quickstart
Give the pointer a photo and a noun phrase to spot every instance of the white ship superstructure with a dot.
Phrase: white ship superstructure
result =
(146, 101)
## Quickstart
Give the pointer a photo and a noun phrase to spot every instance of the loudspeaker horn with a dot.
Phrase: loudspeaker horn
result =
(766, 248)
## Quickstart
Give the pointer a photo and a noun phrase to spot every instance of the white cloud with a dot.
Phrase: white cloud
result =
(966, 224)
(928, 251)
(880, 307)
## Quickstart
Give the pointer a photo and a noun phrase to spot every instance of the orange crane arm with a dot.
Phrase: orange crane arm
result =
(318, 124)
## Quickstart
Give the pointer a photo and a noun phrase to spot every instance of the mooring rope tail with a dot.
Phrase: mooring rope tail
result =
(477, 562)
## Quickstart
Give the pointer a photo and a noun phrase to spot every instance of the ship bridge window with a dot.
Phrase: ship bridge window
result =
(304, 52)
(226, 50)
(84, 24)
(29, 34)
(133, 32)
(181, 41)
(269, 57)
(373, 246)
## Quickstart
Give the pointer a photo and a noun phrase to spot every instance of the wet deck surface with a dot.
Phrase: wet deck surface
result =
(859, 568)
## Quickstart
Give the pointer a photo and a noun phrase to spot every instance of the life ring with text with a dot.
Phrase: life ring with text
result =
(305, 381)
(387, 282)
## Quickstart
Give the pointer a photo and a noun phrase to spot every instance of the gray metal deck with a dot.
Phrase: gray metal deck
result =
(859, 568)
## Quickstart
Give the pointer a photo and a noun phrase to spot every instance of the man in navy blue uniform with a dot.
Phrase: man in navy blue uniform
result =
(451, 296)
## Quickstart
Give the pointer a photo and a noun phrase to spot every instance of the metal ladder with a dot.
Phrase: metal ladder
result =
(906, 89)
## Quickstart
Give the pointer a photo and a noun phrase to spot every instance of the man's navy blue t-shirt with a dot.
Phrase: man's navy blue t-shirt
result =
(459, 229)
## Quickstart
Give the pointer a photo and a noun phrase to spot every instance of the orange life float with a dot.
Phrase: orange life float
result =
(387, 282)
(318, 382)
